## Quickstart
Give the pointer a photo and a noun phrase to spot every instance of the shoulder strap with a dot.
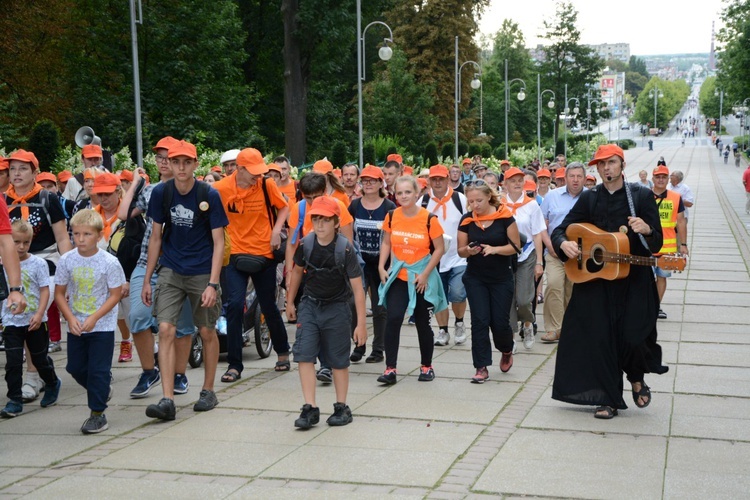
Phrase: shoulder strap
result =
(166, 204)
(457, 201)
(307, 247)
(300, 223)
(339, 252)
(631, 206)
(390, 218)
(271, 215)
(425, 200)
(429, 220)
(134, 201)
(44, 200)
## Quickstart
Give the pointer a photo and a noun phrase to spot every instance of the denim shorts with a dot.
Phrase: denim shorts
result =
(453, 284)
(141, 316)
(325, 329)
(661, 273)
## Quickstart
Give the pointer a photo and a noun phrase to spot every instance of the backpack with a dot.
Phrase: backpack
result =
(454, 197)
(429, 219)
(43, 204)
(339, 253)
(125, 242)
(201, 217)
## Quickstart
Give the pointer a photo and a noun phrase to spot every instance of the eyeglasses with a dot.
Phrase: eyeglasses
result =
(476, 183)
(368, 180)
(161, 159)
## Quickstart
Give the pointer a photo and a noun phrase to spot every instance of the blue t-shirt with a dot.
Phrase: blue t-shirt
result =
(188, 250)
(369, 224)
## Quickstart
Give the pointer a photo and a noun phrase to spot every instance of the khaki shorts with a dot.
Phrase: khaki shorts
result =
(171, 291)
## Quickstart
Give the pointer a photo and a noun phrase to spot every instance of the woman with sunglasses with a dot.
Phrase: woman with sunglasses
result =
(484, 239)
(368, 212)
(413, 239)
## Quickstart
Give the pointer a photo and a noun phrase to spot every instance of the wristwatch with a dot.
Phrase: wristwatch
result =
(16, 289)
(215, 286)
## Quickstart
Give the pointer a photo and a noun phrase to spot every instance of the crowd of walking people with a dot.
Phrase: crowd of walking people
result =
(421, 245)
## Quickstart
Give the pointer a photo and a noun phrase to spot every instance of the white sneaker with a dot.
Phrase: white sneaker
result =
(528, 336)
(442, 338)
(32, 387)
(515, 347)
(459, 335)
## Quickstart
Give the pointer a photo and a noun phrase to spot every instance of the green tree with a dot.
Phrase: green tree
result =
(44, 142)
(394, 103)
(638, 65)
(566, 62)
(734, 57)
(426, 33)
(669, 98)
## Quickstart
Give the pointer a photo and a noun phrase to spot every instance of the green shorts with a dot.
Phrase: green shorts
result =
(171, 291)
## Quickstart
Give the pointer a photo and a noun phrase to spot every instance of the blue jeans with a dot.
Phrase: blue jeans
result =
(265, 289)
(90, 364)
(490, 311)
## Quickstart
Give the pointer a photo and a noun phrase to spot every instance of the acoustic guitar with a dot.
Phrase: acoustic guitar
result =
(607, 256)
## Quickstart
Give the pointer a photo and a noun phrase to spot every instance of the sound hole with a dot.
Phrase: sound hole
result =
(595, 262)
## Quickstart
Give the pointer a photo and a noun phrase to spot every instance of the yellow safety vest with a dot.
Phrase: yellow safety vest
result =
(668, 206)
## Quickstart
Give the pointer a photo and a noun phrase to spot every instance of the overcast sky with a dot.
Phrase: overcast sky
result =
(650, 26)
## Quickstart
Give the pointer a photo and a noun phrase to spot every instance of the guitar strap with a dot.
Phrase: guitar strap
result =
(632, 212)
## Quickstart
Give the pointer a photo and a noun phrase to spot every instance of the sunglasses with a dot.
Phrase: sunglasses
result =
(476, 183)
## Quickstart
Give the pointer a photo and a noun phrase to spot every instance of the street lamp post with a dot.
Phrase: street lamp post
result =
(385, 53)
(137, 79)
(720, 95)
(550, 104)
(656, 94)
(566, 111)
(521, 96)
(475, 84)
(597, 103)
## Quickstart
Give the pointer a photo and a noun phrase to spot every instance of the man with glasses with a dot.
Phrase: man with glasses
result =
(449, 206)
(141, 317)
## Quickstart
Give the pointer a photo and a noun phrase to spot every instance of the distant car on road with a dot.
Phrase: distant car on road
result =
(625, 126)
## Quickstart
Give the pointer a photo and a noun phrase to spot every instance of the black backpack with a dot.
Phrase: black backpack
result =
(125, 242)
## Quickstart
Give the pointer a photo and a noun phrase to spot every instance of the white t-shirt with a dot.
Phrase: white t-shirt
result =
(449, 222)
(530, 222)
(88, 280)
(34, 275)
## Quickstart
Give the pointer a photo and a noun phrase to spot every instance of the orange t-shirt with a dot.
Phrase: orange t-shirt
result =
(290, 190)
(409, 239)
(342, 197)
(249, 228)
(307, 227)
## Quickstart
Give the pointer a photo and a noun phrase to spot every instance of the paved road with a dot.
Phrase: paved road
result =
(448, 438)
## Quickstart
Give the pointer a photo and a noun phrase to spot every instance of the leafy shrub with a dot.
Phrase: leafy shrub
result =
(339, 154)
(447, 150)
(430, 154)
(44, 141)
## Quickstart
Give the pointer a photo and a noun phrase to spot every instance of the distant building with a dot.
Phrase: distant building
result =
(617, 51)
(612, 86)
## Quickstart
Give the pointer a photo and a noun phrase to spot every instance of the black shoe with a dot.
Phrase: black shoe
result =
(374, 357)
(356, 356)
(309, 417)
(342, 415)
(325, 375)
(388, 377)
(662, 314)
(163, 410)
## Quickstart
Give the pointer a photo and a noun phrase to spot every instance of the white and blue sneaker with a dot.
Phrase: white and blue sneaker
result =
(181, 384)
(145, 382)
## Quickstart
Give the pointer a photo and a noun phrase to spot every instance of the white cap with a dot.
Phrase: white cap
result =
(230, 155)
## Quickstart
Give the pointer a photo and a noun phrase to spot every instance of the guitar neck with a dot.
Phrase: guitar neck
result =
(636, 260)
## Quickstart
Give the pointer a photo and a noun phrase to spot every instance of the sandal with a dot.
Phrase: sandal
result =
(605, 412)
(230, 376)
(645, 392)
(550, 337)
(283, 366)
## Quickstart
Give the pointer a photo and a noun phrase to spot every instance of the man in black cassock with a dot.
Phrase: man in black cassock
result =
(609, 327)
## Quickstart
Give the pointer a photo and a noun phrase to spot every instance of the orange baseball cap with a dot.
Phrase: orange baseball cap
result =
(91, 151)
(45, 176)
(465, 161)
(512, 172)
(182, 148)
(165, 143)
(438, 171)
(661, 170)
(4, 163)
(607, 151)
(544, 172)
(394, 157)
(560, 173)
(216, 168)
(322, 166)
(274, 167)
(422, 182)
(337, 172)
(89, 173)
(24, 156)
(372, 172)
(64, 176)
(325, 206)
(126, 175)
(251, 160)
(529, 185)
(408, 170)
(105, 183)
(590, 177)
(504, 162)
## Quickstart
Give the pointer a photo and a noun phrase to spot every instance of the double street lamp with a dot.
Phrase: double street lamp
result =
(566, 112)
(385, 53)
(551, 104)
(596, 103)
(655, 93)
(741, 107)
(521, 96)
(475, 84)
